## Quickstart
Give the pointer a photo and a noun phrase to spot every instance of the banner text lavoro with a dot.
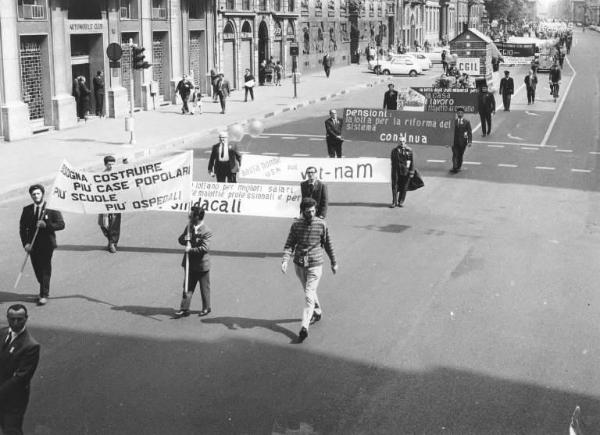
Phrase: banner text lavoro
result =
(419, 128)
(155, 185)
(448, 99)
(293, 169)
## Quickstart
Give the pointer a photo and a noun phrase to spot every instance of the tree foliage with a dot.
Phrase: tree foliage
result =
(510, 10)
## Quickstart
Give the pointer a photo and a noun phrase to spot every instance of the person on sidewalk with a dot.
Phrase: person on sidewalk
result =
(463, 137)
(110, 223)
(196, 100)
(486, 105)
(507, 89)
(315, 189)
(327, 64)
(184, 88)
(333, 136)
(19, 358)
(403, 169)
(213, 83)
(99, 93)
(36, 217)
(307, 239)
(278, 68)
(531, 82)
(249, 83)
(77, 95)
(84, 96)
(390, 98)
(223, 91)
(225, 160)
(196, 237)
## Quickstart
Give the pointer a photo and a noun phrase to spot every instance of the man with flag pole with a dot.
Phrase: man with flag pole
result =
(37, 228)
(196, 262)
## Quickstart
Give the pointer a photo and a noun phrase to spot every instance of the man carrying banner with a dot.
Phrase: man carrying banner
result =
(110, 223)
(225, 160)
(486, 106)
(315, 189)
(37, 229)
(403, 169)
(307, 239)
(196, 238)
(463, 137)
(333, 136)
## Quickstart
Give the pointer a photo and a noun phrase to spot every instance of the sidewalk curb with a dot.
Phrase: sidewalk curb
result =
(186, 142)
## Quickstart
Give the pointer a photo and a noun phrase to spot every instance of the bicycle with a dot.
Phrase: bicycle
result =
(554, 87)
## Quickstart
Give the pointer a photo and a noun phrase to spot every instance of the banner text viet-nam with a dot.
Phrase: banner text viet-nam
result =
(419, 128)
(154, 185)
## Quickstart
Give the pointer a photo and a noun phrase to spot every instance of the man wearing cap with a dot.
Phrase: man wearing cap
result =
(486, 105)
(463, 137)
(225, 160)
(403, 169)
(37, 218)
(195, 238)
(110, 223)
(507, 89)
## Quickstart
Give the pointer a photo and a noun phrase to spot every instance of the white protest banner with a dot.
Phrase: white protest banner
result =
(293, 169)
(243, 199)
(154, 185)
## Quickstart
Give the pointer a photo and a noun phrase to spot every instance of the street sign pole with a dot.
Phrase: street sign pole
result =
(294, 68)
(131, 121)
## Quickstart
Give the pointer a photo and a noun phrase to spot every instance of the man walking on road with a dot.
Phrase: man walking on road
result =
(225, 160)
(307, 239)
(223, 91)
(333, 136)
(531, 82)
(195, 238)
(110, 223)
(463, 137)
(19, 357)
(555, 77)
(486, 106)
(390, 98)
(37, 219)
(184, 87)
(327, 64)
(507, 89)
(403, 169)
(315, 189)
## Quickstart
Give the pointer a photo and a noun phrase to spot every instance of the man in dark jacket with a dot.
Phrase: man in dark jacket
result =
(225, 160)
(390, 98)
(99, 93)
(327, 64)
(486, 105)
(463, 137)
(196, 239)
(184, 87)
(249, 83)
(110, 223)
(531, 82)
(37, 218)
(19, 357)
(315, 189)
(555, 77)
(333, 134)
(223, 91)
(403, 169)
(507, 89)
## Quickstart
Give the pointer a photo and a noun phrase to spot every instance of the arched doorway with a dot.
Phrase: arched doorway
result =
(229, 54)
(263, 42)
(246, 47)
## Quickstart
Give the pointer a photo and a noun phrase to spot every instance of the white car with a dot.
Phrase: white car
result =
(422, 59)
(435, 54)
(401, 65)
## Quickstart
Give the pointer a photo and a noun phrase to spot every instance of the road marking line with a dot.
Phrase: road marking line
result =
(289, 138)
(472, 163)
(436, 161)
(243, 152)
(514, 144)
(596, 153)
(510, 136)
(560, 104)
(495, 146)
(563, 151)
(583, 171)
(316, 139)
(271, 154)
(545, 168)
(262, 137)
(530, 148)
(506, 165)
(300, 155)
(520, 88)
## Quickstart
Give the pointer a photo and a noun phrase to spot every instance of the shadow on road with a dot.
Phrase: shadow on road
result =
(235, 323)
(152, 250)
(8, 297)
(358, 204)
(391, 228)
(150, 312)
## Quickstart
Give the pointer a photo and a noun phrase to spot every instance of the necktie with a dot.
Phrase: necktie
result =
(37, 212)
(222, 151)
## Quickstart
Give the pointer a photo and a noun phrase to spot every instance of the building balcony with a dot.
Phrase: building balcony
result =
(32, 12)
(159, 13)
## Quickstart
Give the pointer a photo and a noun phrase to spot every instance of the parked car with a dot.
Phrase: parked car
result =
(401, 65)
(422, 59)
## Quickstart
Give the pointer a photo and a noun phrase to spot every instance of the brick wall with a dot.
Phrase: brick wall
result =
(31, 76)
(158, 50)
(125, 62)
(195, 50)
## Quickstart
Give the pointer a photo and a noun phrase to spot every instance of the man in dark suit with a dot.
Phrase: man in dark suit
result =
(47, 222)
(223, 91)
(99, 93)
(403, 169)
(110, 223)
(225, 160)
(463, 137)
(196, 239)
(390, 98)
(19, 357)
(333, 135)
(327, 64)
(486, 106)
(507, 89)
(315, 189)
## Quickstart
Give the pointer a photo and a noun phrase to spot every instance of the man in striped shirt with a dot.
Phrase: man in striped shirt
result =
(307, 239)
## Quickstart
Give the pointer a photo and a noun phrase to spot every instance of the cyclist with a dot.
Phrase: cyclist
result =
(555, 77)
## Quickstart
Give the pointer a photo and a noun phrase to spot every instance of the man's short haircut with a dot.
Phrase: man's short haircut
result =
(36, 187)
(17, 307)
(311, 167)
(307, 203)
(197, 212)
(109, 159)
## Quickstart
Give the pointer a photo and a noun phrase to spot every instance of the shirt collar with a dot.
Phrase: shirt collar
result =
(14, 335)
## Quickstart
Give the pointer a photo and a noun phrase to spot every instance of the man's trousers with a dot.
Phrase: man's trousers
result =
(41, 260)
(309, 278)
(486, 122)
(457, 156)
(111, 227)
(195, 277)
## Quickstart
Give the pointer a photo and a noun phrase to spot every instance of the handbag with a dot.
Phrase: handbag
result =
(416, 182)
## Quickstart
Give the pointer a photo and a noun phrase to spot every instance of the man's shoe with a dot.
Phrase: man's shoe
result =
(483, 135)
(393, 205)
(112, 248)
(302, 335)
(315, 318)
(182, 313)
(42, 301)
(205, 312)
(400, 204)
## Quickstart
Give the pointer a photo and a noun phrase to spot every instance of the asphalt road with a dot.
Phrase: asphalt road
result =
(473, 310)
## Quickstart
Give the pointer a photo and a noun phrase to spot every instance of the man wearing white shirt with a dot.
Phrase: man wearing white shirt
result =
(225, 160)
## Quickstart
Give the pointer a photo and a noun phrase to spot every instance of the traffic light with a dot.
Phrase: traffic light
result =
(138, 58)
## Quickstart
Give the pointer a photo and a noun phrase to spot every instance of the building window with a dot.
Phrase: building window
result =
(32, 9)
(291, 5)
(196, 9)
(277, 5)
(159, 9)
(262, 5)
(230, 5)
(129, 9)
(246, 5)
